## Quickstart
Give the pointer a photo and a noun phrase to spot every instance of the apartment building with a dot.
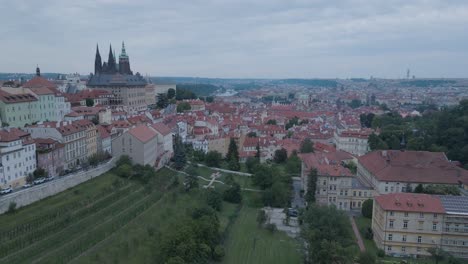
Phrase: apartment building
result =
(407, 224)
(393, 171)
(336, 185)
(354, 142)
(17, 156)
(73, 136)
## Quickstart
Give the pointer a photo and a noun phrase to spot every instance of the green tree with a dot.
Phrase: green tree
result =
(163, 101)
(214, 199)
(292, 122)
(251, 134)
(179, 153)
(367, 258)
(281, 155)
(355, 103)
(209, 99)
(191, 179)
(419, 188)
(271, 122)
(293, 164)
(307, 146)
(263, 176)
(183, 106)
(233, 194)
(124, 171)
(257, 153)
(437, 254)
(89, 102)
(171, 93)
(213, 158)
(39, 173)
(367, 207)
(311, 185)
(232, 156)
(251, 163)
(124, 159)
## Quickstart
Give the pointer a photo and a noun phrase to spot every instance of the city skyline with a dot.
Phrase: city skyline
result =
(265, 39)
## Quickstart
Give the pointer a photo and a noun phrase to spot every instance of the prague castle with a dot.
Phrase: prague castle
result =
(128, 89)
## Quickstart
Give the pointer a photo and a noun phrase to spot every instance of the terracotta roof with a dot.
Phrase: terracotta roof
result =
(41, 90)
(9, 98)
(412, 166)
(39, 82)
(410, 202)
(143, 133)
(102, 131)
(327, 163)
(162, 128)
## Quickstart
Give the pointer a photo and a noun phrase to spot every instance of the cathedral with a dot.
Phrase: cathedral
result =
(128, 89)
(111, 66)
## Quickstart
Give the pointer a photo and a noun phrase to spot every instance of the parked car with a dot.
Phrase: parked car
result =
(27, 185)
(49, 178)
(293, 212)
(6, 190)
(39, 181)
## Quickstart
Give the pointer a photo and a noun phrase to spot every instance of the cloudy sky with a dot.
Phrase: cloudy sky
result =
(240, 38)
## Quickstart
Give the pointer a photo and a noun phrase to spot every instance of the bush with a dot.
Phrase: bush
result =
(214, 200)
(218, 253)
(271, 227)
(366, 209)
(261, 217)
(380, 253)
(366, 258)
(369, 235)
(233, 194)
(213, 158)
(11, 208)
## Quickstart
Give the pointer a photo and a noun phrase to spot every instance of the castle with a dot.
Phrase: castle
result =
(111, 66)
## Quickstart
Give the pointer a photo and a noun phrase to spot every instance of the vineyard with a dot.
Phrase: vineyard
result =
(64, 227)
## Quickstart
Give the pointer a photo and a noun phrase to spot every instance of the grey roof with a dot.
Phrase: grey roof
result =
(357, 184)
(117, 79)
(455, 204)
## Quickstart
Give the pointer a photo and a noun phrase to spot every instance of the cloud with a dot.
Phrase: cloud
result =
(264, 38)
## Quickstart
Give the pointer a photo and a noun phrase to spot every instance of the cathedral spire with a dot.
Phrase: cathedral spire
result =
(123, 53)
(111, 61)
(97, 61)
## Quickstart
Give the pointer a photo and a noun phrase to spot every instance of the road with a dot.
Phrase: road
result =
(297, 200)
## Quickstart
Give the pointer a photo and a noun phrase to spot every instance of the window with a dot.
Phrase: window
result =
(391, 213)
(390, 237)
(435, 215)
(405, 224)
(403, 238)
(406, 214)
(434, 226)
(403, 249)
(390, 224)
(386, 189)
(421, 215)
(421, 225)
(418, 249)
(419, 239)
(389, 248)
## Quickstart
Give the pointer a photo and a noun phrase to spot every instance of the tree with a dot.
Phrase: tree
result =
(39, 173)
(311, 185)
(89, 102)
(355, 103)
(183, 106)
(214, 199)
(366, 209)
(261, 217)
(280, 155)
(191, 179)
(163, 101)
(171, 93)
(251, 163)
(419, 188)
(366, 119)
(257, 153)
(209, 99)
(233, 156)
(218, 253)
(367, 258)
(124, 171)
(271, 122)
(124, 159)
(213, 158)
(292, 122)
(293, 164)
(437, 254)
(233, 194)
(179, 153)
(251, 134)
(263, 176)
(307, 146)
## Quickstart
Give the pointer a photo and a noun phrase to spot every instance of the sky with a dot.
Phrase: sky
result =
(240, 38)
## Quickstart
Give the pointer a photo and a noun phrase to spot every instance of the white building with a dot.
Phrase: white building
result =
(353, 142)
(17, 156)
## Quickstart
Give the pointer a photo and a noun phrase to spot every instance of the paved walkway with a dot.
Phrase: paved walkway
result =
(357, 234)
(223, 170)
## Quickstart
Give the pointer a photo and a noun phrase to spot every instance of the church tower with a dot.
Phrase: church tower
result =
(97, 62)
(111, 67)
(124, 62)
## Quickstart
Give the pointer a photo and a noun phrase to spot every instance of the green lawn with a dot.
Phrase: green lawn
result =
(248, 243)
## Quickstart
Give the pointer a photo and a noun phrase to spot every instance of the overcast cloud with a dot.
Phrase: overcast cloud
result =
(239, 38)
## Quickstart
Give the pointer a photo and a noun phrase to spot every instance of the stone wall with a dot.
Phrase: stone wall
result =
(38, 192)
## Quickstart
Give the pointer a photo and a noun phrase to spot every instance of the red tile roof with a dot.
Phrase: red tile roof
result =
(39, 82)
(16, 98)
(143, 133)
(327, 163)
(102, 131)
(412, 166)
(162, 128)
(410, 202)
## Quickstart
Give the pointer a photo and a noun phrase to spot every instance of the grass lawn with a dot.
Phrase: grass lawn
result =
(249, 243)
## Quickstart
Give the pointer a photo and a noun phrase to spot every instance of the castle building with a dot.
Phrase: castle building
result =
(128, 88)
